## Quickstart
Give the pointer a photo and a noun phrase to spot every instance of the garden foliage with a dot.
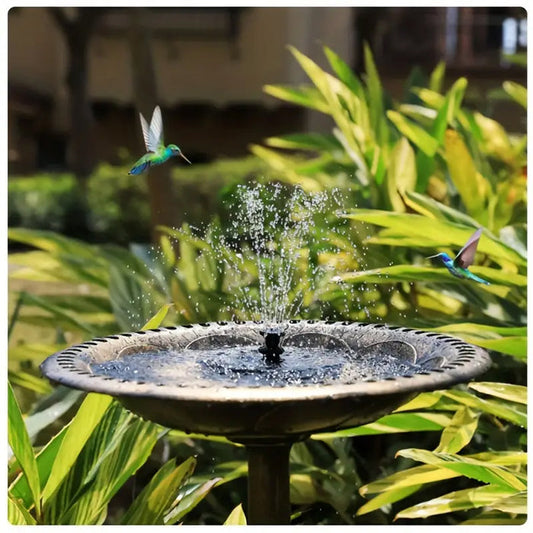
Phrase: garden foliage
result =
(416, 178)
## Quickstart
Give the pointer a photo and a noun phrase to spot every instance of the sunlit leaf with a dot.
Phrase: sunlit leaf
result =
(401, 174)
(17, 514)
(459, 432)
(514, 504)
(455, 501)
(472, 187)
(394, 423)
(158, 318)
(386, 498)
(20, 444)
(157, 496)
(28, 381)
(472, 468)
(80, 429)
(429, 232)
(236, 517)
(304, 96)
(414, 133)
(512, 393)
(189, 497)
(515, 414)
(517, 92)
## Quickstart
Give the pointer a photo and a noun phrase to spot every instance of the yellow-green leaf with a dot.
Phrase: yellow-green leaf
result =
(89, 414)
(401, 174)
(471, 185)
(472, 468)
(158, 318)
(157, 496)
(459, 432)
(17, 514)
(386, 498)
(515, 504)
(455, 501)
(22, 449)
(517, 92)
(236, 517)
(394, 423)
(512, 393)
(414, 133)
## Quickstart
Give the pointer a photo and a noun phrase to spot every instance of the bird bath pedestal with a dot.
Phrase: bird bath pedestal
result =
(212, 379)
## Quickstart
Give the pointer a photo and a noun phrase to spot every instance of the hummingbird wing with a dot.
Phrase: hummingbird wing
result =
(156, 127)
(466, 256)
(153, 133)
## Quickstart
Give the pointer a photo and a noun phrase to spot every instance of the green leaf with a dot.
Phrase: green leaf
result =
(19, 489)
(375, 94)
(17, 514)
(344, 72)
(414, 273)
(28, 381)
(472, 187)
(401, 174)
(514, 504)
(304, 96)
(424, 205)
(156, 498)
(111, 472)
(386, 498)
(455, 501)
(472, 468)
(70, 318)
(459, 432)
(394, 423)
(512, 341)
(436, 77)
(512, 393)
(60, 401)
(517, 92)
(158, 318)
(236, 517)
(22, 449)
(88, 416)
(515, 414)
(428, 232)
(189, 498)
(495, 518)
(305, 141)
(414, 133)
(428, 473)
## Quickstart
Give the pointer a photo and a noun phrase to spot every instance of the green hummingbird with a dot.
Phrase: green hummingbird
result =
(459, 266)
(157, 152)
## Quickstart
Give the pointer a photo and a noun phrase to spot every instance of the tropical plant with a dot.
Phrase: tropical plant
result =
(426, 173)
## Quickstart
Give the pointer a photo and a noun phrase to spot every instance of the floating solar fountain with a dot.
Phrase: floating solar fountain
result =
(268, 383)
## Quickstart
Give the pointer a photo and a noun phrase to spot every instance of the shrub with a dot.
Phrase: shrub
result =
(117, 208)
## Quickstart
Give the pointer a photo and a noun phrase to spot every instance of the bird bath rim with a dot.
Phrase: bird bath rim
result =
(67, 367)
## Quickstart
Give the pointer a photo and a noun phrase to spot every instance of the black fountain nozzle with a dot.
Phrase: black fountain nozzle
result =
(272, 349)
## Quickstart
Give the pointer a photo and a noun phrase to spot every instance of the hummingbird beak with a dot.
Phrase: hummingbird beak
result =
(181, 153)
(432, 256)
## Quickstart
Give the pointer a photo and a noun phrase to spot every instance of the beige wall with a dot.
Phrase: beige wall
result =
(186, 71)
(33, 47)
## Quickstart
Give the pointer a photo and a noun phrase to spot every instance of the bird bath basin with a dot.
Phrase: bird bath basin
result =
(213, 379)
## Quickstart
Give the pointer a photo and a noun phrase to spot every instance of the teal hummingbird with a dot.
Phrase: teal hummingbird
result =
(459, 266)
(157, 152)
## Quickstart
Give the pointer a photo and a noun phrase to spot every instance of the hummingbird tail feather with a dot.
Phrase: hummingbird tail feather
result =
(478, 279)
(139, 169)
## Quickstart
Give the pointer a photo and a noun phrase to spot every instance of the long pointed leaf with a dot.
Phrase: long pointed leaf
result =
(22, 449)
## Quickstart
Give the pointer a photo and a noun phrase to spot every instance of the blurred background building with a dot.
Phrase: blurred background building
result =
(207, 67)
